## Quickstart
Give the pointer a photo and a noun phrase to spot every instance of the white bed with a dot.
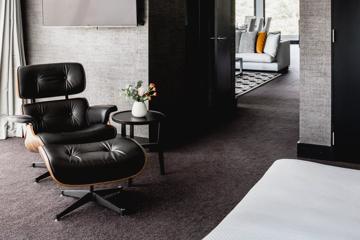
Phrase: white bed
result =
(297, 200)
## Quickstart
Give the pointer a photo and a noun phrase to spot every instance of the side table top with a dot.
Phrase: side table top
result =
(125, 117)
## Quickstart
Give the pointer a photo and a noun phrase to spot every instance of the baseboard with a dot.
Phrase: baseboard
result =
(314, 151)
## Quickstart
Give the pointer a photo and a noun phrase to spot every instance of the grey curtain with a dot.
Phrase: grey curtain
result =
(11, 57)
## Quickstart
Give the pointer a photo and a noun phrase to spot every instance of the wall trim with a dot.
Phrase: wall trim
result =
(313, 151)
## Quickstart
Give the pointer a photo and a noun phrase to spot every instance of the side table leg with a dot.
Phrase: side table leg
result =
(160, 151)
(131, 131)
(161, 162)
(123, 130)
(130, 181)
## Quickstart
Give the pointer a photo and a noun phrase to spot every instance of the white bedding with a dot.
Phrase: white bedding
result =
(297, 200)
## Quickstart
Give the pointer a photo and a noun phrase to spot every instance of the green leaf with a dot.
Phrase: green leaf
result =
(139, 84)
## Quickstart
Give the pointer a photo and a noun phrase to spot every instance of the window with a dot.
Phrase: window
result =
(244, 8)
(285, 17)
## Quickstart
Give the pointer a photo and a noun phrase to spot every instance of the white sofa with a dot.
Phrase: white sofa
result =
(297, 200)
(264, 62)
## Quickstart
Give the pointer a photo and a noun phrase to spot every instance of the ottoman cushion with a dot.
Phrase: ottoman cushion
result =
(83, 164)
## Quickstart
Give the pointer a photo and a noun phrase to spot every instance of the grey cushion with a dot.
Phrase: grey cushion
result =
(237, 40)
(272, 44)
(256, 57)
(247, 42)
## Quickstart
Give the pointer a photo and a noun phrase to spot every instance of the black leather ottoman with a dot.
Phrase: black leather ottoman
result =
(93, 164)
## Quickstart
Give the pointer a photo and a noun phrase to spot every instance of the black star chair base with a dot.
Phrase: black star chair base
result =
(93, 164)
(99, 196)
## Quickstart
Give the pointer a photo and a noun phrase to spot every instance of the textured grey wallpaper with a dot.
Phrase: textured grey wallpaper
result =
(112, 57)
(315, 72)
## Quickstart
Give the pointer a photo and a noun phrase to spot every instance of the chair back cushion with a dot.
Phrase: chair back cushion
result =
(50, 80)
(58, 116)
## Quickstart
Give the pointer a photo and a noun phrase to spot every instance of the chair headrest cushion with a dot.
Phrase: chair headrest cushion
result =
(51, 80)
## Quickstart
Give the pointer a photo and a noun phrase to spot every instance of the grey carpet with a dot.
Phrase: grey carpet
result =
(206, 178)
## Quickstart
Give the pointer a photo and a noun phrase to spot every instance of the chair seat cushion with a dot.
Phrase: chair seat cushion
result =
(100, 162)
(93, 133)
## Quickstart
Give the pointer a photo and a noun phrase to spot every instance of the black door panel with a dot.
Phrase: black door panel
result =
(194, 74)
(224, 53)
(346, 78)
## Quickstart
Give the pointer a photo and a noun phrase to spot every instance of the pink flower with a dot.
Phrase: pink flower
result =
(141, 91)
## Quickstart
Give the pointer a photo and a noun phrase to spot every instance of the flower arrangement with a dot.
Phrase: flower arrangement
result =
(139, 93)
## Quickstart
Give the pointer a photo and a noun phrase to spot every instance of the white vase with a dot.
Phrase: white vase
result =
(139, 109)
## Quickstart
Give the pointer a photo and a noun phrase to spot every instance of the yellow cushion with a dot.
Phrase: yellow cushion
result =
(260, 42)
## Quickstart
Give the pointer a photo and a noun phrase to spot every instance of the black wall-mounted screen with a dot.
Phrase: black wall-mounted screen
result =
(90, 13)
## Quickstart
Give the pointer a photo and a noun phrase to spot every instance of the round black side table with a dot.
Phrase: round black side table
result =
(152, 118)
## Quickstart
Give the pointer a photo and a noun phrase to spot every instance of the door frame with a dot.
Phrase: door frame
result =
(332, 104)
(232, 108)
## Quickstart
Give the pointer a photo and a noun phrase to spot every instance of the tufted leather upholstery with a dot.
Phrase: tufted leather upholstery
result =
(93, 133)
(72, 137)
(69, 121)
(58, 116)
(100, 113)
(86, 164)
(51, 80)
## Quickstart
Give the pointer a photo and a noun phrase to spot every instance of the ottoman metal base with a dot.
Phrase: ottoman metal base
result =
(42, 176)
(38, 165)
(85, 196)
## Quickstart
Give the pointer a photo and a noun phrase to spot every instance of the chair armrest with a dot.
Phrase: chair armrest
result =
(100, 113)
(27, 119)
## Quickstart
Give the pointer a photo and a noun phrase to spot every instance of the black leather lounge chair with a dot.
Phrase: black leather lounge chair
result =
(78, 146)
(67, 121)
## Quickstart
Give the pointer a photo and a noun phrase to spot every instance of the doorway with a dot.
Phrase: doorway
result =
(260, 24)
